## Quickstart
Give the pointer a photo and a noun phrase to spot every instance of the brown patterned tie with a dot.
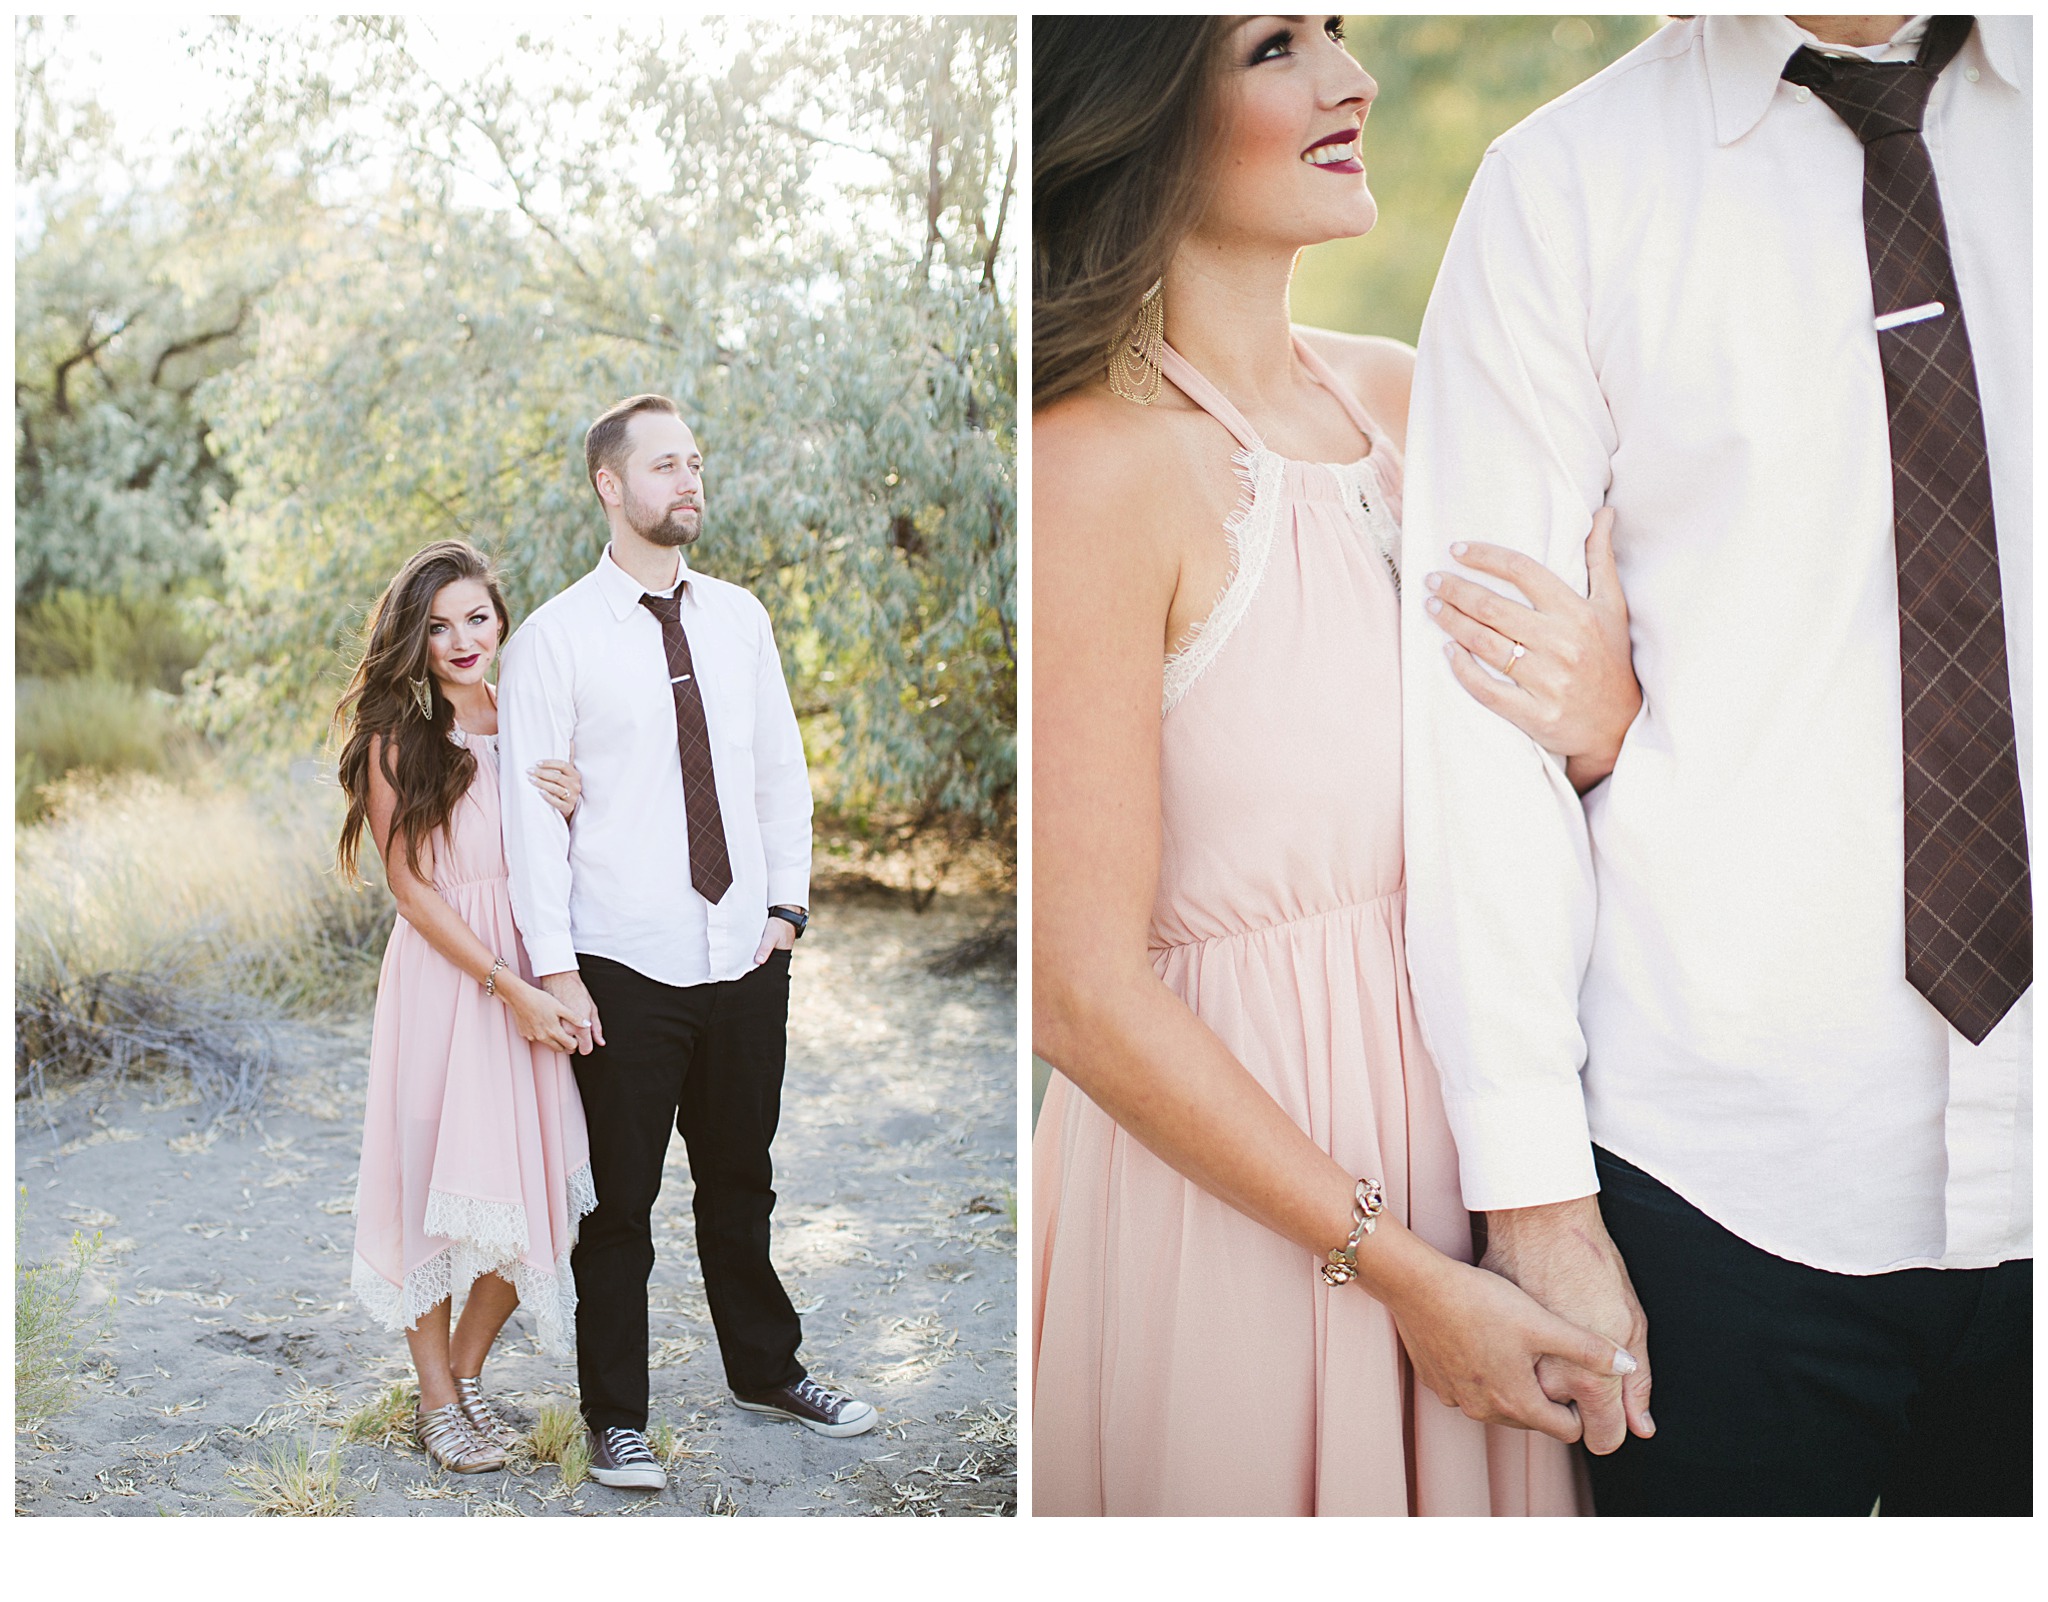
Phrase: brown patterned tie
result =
(710, 865)
(1969, 903)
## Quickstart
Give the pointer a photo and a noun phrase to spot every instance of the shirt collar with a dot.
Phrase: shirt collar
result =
(622, 591)
(1745, 57)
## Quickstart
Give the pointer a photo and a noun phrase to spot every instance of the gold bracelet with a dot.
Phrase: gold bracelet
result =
(491, 978)
(1368, 1201)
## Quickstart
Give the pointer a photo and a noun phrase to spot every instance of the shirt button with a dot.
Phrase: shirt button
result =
(1972, 74)
(1802, 94)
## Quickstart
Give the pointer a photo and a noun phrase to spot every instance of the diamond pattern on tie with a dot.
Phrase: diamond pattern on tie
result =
(710, 864)
(1969, 895)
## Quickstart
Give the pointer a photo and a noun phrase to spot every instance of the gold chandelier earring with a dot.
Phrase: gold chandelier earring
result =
(423, 695)
(1134, 370)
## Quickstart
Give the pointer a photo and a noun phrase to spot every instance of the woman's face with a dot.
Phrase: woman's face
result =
(462, 633)
(1296, 101)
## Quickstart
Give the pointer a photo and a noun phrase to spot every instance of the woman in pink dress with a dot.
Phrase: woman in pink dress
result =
(476, 1166)
(1244, 1096)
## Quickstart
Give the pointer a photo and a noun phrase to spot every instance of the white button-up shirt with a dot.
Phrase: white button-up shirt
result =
(1658, 297)
(614, 881)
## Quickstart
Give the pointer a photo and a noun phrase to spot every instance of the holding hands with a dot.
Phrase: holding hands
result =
(539, 1017)
(1487, 1348)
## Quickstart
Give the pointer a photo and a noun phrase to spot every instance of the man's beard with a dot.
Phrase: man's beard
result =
(666, 528)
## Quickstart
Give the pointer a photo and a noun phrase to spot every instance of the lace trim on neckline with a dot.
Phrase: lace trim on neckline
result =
(1366, 498)
(1249, 531)
(1249, 534)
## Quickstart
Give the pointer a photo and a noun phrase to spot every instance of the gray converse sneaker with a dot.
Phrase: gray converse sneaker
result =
(621, 1457)
(814, 1406)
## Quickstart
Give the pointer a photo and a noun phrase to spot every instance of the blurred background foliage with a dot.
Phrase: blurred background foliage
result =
(1449, 86)
(359, 303)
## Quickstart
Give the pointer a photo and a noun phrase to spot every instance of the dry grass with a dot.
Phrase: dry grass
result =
(168, 927)
(386, 1419)
(558, 1437)
(247, 893)
(293, 1480)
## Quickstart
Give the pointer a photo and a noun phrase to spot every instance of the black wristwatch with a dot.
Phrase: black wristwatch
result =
(795, 917)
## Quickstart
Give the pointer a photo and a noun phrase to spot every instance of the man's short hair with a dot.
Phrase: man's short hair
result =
(605, 444)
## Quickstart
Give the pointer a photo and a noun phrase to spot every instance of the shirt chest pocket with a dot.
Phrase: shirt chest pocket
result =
(727, 689)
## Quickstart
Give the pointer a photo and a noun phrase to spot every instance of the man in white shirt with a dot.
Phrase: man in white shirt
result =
(665, 915)
(1690, 995)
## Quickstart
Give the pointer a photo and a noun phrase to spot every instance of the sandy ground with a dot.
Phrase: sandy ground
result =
(233, 1334)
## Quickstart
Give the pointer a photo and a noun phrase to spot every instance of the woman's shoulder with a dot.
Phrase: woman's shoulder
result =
(1378, 370)
(1100, 462)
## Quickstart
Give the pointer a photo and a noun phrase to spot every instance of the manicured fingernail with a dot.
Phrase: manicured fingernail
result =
(1451, 649)
(1623, 1363)
(1458, 549)
(1432, 606)
(1649, 1424)
(1435, 581)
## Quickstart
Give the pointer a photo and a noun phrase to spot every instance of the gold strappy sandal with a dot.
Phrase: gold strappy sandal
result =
(448, 1437)
(485, 1419)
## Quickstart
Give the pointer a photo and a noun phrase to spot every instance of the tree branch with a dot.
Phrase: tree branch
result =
(180, 347)
(86, 352)
(995, 240)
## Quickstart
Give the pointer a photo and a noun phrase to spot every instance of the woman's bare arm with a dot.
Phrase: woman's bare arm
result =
(539, 1016)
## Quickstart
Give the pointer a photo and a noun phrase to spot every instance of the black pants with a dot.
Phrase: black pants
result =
(708, 1060)
(1783, 1389)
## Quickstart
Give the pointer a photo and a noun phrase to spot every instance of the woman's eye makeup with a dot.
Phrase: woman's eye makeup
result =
(1278, 45)
(1273, 47)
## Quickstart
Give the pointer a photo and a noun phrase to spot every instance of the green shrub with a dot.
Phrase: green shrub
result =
(143, 640)
(91, 725)
(48, 1329)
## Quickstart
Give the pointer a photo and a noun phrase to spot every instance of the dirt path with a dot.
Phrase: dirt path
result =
(234, 1335)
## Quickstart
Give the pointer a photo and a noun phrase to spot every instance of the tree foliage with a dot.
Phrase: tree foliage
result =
(798, 232)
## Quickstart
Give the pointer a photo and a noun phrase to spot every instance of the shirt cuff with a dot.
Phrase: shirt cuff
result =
(1523, 1151)
(790, 887)
(551, 955)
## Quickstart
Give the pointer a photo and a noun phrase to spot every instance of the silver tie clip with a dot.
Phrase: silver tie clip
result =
(678, 679)
(1912, 314)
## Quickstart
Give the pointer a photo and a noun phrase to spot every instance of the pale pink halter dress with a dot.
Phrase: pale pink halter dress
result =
(475, 1157)
(1189, 1360)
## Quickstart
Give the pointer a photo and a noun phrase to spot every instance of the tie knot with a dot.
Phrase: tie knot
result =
(1875, 98)
(669, 608)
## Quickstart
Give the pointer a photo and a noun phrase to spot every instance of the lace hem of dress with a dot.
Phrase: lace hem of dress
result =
(1366, 492)
(548, 1294)
(1249, 532)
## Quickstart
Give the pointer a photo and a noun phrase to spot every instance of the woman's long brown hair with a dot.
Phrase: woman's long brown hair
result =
(1124, 130)
(429, 772)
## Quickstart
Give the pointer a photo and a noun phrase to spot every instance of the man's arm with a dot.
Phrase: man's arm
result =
(1509, 441)
(536, 720)
(782, 788)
